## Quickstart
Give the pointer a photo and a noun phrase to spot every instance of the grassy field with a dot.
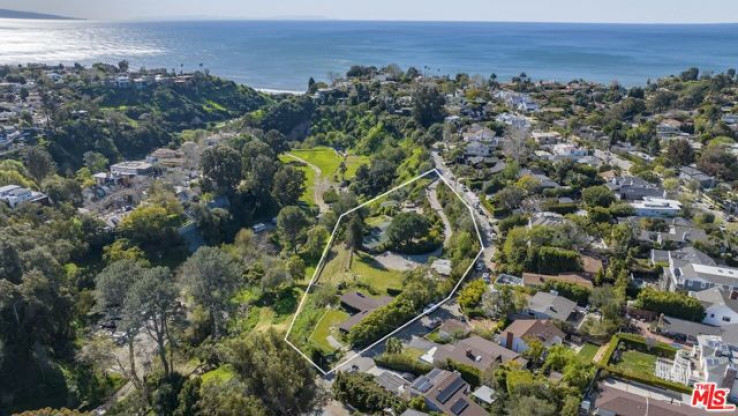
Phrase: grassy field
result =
(372, 274)
(587, 353)
(365, 271)
(324, 158)
(637, 362)
(330, 319)
(329, 161)
(352, 164)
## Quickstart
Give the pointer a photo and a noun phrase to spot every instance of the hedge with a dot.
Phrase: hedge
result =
(470, 374)
(673, 304)
(402, 363)
(639, 343)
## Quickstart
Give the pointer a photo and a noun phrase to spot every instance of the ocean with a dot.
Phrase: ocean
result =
(282, 55)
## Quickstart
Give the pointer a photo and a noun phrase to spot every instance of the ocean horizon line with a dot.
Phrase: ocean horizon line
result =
(319, 19)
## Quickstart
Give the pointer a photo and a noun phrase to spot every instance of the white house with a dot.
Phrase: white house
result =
(721, 306)
(656, 207)
(569, 150)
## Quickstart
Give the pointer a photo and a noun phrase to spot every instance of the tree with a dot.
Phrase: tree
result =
(510, 197)
(716, 160)
(154, 296)
(598, 196)
(231, 399)
(355, 237)
(471, 295)
(38, 162)
(275, 373)
(113, 285)
(680, 152)
(428, 106)
(406, 229)
(291, 224)
(530, 406)
(212, 277)
(222, 166)
(97, 162)
(571, 406)
(288, 186)
(393, 346)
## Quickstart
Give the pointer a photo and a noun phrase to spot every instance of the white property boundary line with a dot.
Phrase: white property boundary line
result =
(321, 264)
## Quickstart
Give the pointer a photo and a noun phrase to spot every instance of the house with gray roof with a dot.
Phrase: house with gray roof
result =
(689, 173)
(721, 306)
(446, 392)
(476, 352)
(546, 305)
(632, 188)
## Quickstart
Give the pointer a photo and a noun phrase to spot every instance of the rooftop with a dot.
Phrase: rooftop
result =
(557, 307)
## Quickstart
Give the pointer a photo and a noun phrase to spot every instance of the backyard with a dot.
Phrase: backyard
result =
(323, 329)
(637, 362)
(587, 353)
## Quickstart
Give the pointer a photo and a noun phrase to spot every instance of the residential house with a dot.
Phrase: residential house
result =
(631, 188)
(689, 173)
(546, 305)
(697, 277)
(360, 306)
(477, 148)
(446, 392)
(714, 359)
(476, 352)
(393, 383)
(680, 274)
(684, 331)
(656, 207)
(721, 306)
(15, 195)
(668, 128)
(680, 233)
(613, 401)
(135, 168)
(517, 335)
(569, 150)
(546, 138)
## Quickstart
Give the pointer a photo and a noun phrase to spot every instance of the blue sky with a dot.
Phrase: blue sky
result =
(625, 11)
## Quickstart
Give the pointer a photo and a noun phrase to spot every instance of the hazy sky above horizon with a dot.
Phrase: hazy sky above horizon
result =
(625, 11)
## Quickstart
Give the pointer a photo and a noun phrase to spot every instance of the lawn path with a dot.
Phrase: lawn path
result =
(436, 205)
(321, 184)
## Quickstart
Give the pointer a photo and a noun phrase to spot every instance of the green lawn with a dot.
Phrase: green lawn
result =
(364, 270)
(330, 319)
(637, 362)
(329, 161)
(220, 375)
(352, 164)
(587, 353)
(372, 274)
(324, 158)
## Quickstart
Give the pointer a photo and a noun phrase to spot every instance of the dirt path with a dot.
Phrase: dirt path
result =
(436, 205)
(600, 353)
(322, 184)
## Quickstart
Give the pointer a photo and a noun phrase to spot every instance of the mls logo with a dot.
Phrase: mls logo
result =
(711, 398)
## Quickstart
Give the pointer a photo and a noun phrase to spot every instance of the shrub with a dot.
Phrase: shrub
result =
(402, 363)
(673, 304)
